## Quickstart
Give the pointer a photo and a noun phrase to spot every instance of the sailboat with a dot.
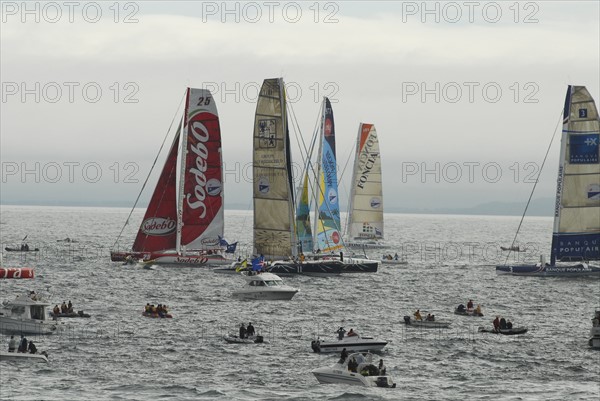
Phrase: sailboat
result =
(365, 212)
(275, 235)
(184, 226)
(576, 232)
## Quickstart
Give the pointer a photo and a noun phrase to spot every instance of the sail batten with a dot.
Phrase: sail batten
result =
(576, 233)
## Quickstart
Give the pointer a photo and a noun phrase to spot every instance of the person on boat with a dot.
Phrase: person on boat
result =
(242, 331)
(496, 323)
(153, 310)
(32, 348)
(352, 365)
(460, 308)
(381, 368)
(147, 308)
(478, 310)
(502, 323)
(23, 344)
(395, 258)
(509, 325)
(56, 310)
(470, 305)
(250, 330)
(340, 332)
(63, 307)
(418, 315)
(428, 318)
(12, 344)
(343, 356)
(70, 307)
(352, 333)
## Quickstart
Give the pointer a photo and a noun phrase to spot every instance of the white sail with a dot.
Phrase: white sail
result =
(577, 211)
(365, 220)
(274, 231)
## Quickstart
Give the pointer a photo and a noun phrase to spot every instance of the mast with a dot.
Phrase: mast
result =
(182, 157)
(318, 193)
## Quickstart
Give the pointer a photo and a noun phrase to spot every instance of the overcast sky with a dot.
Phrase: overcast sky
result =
(469, 92)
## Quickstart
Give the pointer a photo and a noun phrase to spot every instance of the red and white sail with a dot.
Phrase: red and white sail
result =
(159, 227)
(201, 188)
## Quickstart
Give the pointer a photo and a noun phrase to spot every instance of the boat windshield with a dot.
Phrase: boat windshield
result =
(272, 283)
(37, 312)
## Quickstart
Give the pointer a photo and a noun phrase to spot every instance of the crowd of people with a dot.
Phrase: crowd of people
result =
(23, 347)
(160, 310)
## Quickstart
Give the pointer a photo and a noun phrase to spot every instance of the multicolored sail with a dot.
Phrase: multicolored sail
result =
(303, 229)
(327, 231)
(274, 231)
(159, 227)
(576, 233)
(201, 188)
(366, 196)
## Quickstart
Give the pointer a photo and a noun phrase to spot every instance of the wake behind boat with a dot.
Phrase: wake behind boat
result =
(576, 231)
(356, 369)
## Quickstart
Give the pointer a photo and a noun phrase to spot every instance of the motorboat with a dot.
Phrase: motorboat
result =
(428, 324)
(19, 356)
(361, 372)
(26, 314)
(387, 261)
(595, 331)
(232, 338)
(350, 343)
(467, 312)
(506, 332)
(264, 286)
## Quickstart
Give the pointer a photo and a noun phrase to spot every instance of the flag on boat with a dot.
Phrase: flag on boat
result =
(242, 266)
(222, 241)
(258, 263)
(231, 247)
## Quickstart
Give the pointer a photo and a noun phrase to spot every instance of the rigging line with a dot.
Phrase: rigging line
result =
(151, 169)
(534, 185)
(348, 191)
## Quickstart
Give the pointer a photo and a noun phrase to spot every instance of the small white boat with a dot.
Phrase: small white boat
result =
(351, 344)
(364, 372)
(394, 261)
(428, 324)
(595, 331)
(18, 356)
(232, 338)
(26, 314)
(264, 286)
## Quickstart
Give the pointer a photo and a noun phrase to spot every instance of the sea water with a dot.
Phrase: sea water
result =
(119, 354)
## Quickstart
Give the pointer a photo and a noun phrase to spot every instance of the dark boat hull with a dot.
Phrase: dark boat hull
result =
(312, 269)
(8, 249)
(506, 332)
(549, 270)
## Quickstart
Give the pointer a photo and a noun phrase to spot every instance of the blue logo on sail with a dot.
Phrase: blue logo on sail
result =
(593, 192)
(263, 185)
(583, 148)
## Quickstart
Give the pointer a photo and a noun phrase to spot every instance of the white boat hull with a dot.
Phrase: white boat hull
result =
(268, 295)
(17, 356)
(343, 376)
(15, 326)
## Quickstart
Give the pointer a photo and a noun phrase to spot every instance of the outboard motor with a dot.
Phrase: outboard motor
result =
(259, 339)
(407, 319)
(382, 381)
(316, 346)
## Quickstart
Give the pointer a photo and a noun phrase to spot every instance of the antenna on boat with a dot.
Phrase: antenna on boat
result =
(537, 179)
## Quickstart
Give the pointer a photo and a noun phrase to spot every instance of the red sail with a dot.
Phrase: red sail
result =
(159, 228)
(202, 195)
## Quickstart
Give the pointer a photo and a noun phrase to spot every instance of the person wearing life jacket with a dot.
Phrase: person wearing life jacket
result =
(147, 308)
(418, 315)
(153, 309)
(478, 310)
(56, 310)
(70, 307)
